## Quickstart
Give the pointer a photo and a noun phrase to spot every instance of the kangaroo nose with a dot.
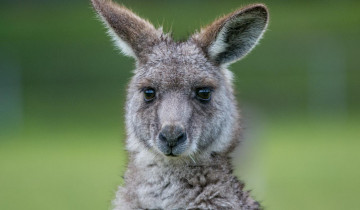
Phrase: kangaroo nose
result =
(173, 135)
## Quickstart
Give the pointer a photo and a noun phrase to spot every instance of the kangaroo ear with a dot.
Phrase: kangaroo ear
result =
(132, 34)
(231, 37)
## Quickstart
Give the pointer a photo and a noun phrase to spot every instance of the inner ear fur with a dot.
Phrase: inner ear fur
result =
(132, 34)
(231, 37)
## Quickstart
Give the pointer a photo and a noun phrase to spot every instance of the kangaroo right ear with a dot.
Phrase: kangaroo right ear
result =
(231, 37)
(132, 34)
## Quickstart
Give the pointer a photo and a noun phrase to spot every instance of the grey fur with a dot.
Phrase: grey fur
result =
(200, 176)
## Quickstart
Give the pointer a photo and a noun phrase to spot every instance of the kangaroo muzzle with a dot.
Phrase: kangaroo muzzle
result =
(172, 140)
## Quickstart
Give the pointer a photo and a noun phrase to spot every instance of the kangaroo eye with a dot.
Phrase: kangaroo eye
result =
(149, 94)
(203, 94)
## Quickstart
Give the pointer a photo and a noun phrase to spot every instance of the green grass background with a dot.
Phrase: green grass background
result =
(62, 89)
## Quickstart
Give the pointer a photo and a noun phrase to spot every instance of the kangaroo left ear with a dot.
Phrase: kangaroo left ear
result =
(231, 37)
(132, 34)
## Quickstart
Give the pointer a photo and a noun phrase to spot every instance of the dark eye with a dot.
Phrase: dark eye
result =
(149, 94)
(203, 94)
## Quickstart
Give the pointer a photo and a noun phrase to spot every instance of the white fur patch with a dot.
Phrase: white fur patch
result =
(223, 141)
(228, 75)
(248, 39)
(119, 43)
(219, 45)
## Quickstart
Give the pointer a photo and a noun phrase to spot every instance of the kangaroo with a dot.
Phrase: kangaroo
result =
(182, 119)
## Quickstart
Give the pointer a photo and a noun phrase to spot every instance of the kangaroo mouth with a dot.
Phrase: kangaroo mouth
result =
(171, 155)
(171, 151)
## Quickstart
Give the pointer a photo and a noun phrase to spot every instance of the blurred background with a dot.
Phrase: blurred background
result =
(63, 84)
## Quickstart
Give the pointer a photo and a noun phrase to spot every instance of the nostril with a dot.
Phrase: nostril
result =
(162, 137)
(181, 138)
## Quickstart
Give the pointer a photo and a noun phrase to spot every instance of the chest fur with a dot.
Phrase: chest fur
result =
(191, 187)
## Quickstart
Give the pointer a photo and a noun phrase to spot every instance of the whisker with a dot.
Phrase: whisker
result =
(192, 158)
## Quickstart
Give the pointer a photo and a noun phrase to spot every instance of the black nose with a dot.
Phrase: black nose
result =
(173, 135)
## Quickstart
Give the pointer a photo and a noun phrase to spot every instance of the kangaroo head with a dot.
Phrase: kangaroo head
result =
(180, 100)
